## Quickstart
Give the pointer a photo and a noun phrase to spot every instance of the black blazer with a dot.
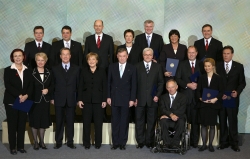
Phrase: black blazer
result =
(93, 86)
(148, 83)
(66, 85)
(214, 49)
(121, 90)
(168, 52)
(156, 42)
(31, 49)
(75, 50)
(13, 85)
(234, 80)
(39, 85)
(105, 52)
(216, 83)
(135, 54)
(178, 106)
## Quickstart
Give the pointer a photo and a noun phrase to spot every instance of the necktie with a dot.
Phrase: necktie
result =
(39, 46)
(67, 45)
(98, 42)
(66, 68)
(148, 40)
(147, 68)
(121, 70)
(172, 100)
(192, 68)
(227, 68)
(206, 45)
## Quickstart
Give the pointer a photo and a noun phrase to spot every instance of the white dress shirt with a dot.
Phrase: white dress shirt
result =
(229, 65)
(149, 64)
(190, 62)
(208, 40)
(41, 43)
(96, 37)
(69, 42)
(13, 66)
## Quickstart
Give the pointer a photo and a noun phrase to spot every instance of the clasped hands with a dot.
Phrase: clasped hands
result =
(172, 116)
(22, 98)
(210, 100)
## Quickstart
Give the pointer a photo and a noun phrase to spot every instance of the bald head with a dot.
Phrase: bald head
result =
(98, 26)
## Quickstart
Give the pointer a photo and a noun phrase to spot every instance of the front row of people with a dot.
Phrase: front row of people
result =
(140, 86)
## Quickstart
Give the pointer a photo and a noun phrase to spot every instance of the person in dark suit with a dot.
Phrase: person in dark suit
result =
(66, 81)
(100, 43)
(121, 96)
(33, 47)
(172, 110)
(234, 81)
(150, 39)
(208, 47)
(39, 115)
(18, 82)
(149, 88)
(209, 109)
(185, 69)
(74, 46)
(92, 99)
(173, 50)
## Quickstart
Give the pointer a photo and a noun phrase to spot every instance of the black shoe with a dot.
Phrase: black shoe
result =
(222, 146)
(194, 145)
(72, 146)
(36, 146)
(58, 146)
(22, 150)
(236, 148)
(13, 152)
(202, 148)
(87, 147)
(114, 147)
(42, 146)
(122, 147)
(150, 145)
(97, 147)
(211, 148)
(140, 146)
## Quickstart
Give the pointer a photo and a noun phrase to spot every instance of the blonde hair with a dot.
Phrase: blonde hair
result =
(92, 54)
(210, 60)
(42, 55)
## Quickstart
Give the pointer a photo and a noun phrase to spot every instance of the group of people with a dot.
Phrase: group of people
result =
(134, 81)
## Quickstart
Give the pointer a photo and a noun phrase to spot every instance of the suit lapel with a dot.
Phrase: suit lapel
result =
(197, 69)
(46, 75)
(145, 40)
(232, 68)
(126, 70)
(36, 75)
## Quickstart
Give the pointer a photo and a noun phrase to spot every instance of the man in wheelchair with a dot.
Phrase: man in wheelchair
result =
(172, 110)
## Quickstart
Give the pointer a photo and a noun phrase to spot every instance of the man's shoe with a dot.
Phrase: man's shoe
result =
(236, 148)
(202, 148)
(72, 146)
(114, 147)
(22, 150)
(149, 145)
(140, 146)
(13, 152)
(97, 147)
(122, 147)
(58, 146)
(211, 148)
(194, 145)
(87, 147)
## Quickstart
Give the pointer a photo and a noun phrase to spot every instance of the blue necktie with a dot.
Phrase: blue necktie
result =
(148, 40)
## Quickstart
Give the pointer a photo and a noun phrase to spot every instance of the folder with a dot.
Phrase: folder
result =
(154, 91)
(209, 94)
(171, 65)
(194, 77)
(24, 106)
(156, 55)
(229, 102)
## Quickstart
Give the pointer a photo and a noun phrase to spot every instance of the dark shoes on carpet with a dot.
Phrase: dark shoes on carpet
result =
(223, 146)
(22, 150)
(236, 148)
(13, 152)
(202, 148)
(211, 148)
(149, 145)
(140, 146)
(58, 146)
(72, 146)
(122, 147)
(114, 147)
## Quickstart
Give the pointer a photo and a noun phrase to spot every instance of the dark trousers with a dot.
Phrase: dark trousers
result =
(145, 134)
(120, 123)
(16, 121)
(61, 113)
(195, 127)
(229, 133)
(95, 111)
(178, 126)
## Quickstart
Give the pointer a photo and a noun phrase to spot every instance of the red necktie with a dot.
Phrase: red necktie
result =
(206, 45)
(192, 68)
(98, 42)
(39, 46)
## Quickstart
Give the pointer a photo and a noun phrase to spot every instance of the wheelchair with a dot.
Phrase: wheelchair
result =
(158, 141)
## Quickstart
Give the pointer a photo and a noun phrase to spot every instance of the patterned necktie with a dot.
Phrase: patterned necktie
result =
(206, 45)
(227, 68)
(66, 68)
(121, 70)
(148, 40)
(172, 100)
(147, 68)
(39, 46)
(67, 45)
(192, 68)
(98, 42)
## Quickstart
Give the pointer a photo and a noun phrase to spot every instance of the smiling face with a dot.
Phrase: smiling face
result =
(98, 26)
(92, 61)
(122, 57)
(38, 34)
(207, 32)
(65, 56)
(208, 67)
(18, 57)
(171, 87)
(192, 53)
(149, 27)
(147, 56)
(40, 62)
(227, 55)
(174, 39)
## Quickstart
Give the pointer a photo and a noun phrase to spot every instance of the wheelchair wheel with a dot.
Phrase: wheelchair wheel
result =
(183, 148)
(154, 150)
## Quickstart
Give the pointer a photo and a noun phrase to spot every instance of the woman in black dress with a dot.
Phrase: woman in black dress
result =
(18, 82)
(209, 109)
(39, 114)
(92, 96)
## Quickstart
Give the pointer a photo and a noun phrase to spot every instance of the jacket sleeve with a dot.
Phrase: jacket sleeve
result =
(160, 82)
(242, 80)
(8, 87)
(104, 86)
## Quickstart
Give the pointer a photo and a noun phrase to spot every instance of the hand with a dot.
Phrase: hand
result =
(104, 104)
(174, 117)
(80, 104)
(234, 93)
(167, 74)
(154, 60)
(23, 98)
(164, 116)
(211, 101)
(224, 97)
(131, 103)
(135, 104)
(52, 102)
(45, 91)
(192, 85)
(155, 99)
(109, 101)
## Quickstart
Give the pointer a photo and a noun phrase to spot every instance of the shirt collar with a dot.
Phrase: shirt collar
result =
(99, 35)
(68, 65)
(193, 62)
(41, 43)
(149, 63)
(67, 42)
(149, 35)
(173, 95)
(209, 39)
(229, 63)
(13, 66)
(122, 64)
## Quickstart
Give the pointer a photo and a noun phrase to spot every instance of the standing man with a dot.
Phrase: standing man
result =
(234, 81)
(121, 96)
(33, 47)
(75, 48)
(150, 84)
(150, 39)
(66, 78)
(185, 70)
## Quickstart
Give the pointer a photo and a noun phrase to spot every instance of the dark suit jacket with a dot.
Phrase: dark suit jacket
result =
(216, 83)
(66, 85)
(105, 52)
(135, 54)
(13, 85)
(75, 50)
(182, 77)
(39, 85)
(234, 80)
(178, 106)
(121, 90)
(156, 42)
(93, 86)
(214, 49)
(149, 85)
(168, 52)
(31, 49)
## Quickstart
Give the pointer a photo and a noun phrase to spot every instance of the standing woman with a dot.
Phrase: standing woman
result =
(18, 82)
(209, 109)
(92, 99)
(39, 115)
